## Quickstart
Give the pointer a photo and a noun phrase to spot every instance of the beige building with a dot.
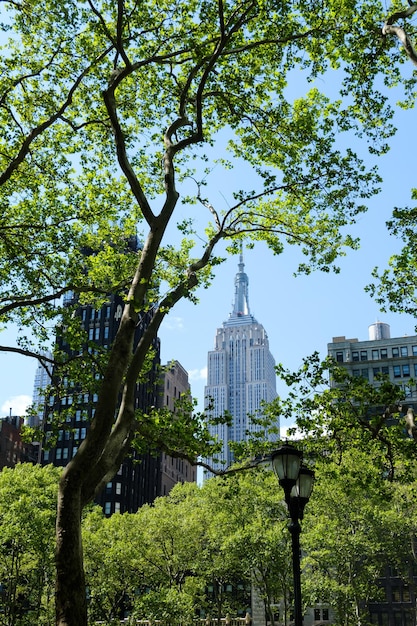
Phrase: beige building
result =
(395, 357)
(174, 383)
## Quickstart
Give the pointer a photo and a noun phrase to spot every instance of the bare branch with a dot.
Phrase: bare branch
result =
(400, 32)
(30, 353)
(110, 102)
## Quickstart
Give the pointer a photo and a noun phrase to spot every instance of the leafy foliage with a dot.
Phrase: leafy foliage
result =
(27, 524)
(106, 111)
(351, 413)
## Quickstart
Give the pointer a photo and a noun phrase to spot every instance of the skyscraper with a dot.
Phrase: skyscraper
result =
(42, 380)
(241, 373)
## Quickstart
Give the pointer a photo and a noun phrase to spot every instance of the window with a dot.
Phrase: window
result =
(65, 453)
(58, 454)
(106, 332)
(395, 352)
(398, 618)
(384, 353)
(317, 615)
(397, 371)
(365, 373)
(406, 370)
(396, 594)
(339, 357)
(83, 433)
(385, 370)
(78, 415)
(375, 354)
(325, 614)
(356, 373)
(91, 333)
(107, 508)
(117, 507)
(404, 351)
(46, 455)
(407, 391)
(364, 355)
(118, 489)
(414, 350)
(376, 371)
(355, 355)
(97, 333)
(74, 450)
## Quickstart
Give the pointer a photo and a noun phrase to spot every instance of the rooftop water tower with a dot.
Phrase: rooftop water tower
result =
(379, 330)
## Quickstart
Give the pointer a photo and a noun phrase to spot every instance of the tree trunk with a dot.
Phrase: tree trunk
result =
(70, 592)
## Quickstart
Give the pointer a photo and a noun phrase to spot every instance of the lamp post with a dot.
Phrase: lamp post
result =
(297, 482)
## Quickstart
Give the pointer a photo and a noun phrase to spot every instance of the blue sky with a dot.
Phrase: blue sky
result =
(300, 314)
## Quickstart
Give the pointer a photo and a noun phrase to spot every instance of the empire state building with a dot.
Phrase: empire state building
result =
(240, 374)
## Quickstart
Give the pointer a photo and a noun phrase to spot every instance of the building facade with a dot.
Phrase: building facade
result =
(240, 374)
(142, 476)
(42, 381)
(395, 357)
(173, 384)
(12, 449)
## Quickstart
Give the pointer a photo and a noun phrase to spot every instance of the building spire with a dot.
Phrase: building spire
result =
(241, 303)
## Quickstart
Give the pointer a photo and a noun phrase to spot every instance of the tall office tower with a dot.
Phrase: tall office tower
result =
(141, 477)
(241, 373)
(42, 380)
(138, 478)
(381, 354)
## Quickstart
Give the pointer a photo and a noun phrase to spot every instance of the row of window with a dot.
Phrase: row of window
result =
(67, 401)
(377, 353)
(94, 333)
(95, 314)
(61, 454)
(401, 618)
(78, 433)
(399, 371)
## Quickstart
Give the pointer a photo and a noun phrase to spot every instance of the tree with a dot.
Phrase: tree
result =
(27, 521)
(347, 535)
(351, 413)
(104, 107)
(182, 554)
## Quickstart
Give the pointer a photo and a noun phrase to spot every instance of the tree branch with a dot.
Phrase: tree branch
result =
(110, 103)
(400, 32)
(38, 130)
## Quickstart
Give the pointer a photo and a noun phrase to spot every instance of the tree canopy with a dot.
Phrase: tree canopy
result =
(108, 112)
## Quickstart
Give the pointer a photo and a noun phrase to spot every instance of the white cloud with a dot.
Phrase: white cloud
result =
(198, 374)
(17, 405)
(173, 323)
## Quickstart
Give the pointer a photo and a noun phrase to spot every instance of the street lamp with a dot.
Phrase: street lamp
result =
(297, 482)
